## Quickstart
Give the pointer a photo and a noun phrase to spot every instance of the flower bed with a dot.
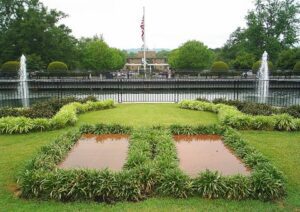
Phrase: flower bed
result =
(67, 115)
(151, 168)
(231, 116)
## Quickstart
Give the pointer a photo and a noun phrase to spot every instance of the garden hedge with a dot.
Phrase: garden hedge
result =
(152, 167)
(231, 116)
(66, 116)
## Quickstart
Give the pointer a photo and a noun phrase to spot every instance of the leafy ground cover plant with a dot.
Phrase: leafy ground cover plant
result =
(231, 116)
(253, 108)
(67, 115)
(43, 109)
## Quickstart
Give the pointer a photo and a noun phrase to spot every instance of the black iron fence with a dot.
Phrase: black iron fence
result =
(279, 92)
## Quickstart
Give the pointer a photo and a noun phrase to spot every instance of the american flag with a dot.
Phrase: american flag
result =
(143, 28)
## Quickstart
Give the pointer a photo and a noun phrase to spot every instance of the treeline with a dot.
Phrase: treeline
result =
(28, 27)
(272, 26)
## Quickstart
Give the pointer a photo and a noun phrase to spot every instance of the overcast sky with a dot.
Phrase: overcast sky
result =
(169, 23)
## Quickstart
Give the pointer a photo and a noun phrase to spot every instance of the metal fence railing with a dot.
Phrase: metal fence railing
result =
(280, 92)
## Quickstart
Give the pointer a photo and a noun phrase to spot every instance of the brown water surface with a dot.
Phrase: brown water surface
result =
(198, 153)
(98, 152)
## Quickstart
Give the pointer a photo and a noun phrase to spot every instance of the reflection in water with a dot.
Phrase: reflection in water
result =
(98, 152)
(201, 152)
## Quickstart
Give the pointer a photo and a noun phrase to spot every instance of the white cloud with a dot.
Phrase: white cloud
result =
(169, 23)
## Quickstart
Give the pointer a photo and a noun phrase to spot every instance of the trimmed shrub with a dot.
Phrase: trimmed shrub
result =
(297, 67)
(219, 66)
(257, 65)
(57, 68)
(10, 68)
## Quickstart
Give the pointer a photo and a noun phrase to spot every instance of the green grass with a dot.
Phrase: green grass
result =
(149, 114)
(282, 148)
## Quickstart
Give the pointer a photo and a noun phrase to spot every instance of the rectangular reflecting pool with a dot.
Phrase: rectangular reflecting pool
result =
(200, 152)
(98, 152)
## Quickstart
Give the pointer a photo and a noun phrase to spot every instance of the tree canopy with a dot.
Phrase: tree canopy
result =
(192, 55)
(97, 56)
(28, 27)
(273, 25)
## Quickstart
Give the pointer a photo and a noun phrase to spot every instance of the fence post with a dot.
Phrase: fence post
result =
(119, 90)
(234, 89)
(176, 96)
(237, 90)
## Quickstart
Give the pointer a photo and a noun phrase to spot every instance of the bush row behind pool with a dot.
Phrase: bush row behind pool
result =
(231, 116)
(66, 116)
(254, 108)
(43, 109)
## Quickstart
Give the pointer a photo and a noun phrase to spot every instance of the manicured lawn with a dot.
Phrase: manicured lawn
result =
(282, 148)
(149, 114)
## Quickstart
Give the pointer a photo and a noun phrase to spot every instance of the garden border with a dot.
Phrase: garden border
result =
(42, 179)
(231, 116)
(67, 115)
(265, 182)
(151, 168)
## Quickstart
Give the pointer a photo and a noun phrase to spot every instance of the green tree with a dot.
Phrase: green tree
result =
(272, 26)
(297, 67)
(29, 28)
(163, 54)
(288, 58)
(118, 59)
(35, 62)
(192, 55)
(97, 56)
(243, 60)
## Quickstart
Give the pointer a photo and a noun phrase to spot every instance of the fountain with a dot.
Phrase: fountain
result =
(23, 85)
(263, 79)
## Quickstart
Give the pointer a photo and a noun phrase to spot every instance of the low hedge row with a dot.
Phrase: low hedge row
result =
(42, 179)
(67, 115)
(231, 116)
(254, 108)
(152, 167)
(43, 109)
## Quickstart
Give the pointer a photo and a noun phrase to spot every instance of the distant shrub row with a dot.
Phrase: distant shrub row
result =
(254, 108)
(66, 116)
(231, 116)
(13, 67)
(152, 167)
(43, 109)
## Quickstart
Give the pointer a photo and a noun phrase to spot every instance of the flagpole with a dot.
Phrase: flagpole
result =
(144, 41)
